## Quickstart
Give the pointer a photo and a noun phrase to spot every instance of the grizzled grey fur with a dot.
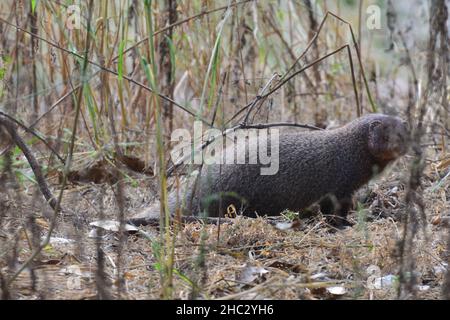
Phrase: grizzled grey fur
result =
(319, 166)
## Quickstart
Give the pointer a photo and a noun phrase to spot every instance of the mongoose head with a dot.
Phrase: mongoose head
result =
(388, 137)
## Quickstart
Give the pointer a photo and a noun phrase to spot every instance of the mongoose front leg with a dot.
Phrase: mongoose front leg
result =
(336, 210)
(345, 204)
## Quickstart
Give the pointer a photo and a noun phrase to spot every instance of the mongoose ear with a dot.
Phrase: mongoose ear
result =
(374, 124)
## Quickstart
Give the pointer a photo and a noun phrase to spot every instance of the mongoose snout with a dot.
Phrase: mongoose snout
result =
(388, 138)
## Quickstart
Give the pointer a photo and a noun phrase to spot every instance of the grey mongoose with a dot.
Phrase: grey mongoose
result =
(324, 167)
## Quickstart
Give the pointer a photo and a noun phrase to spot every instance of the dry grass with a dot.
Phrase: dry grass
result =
(213, 65)
(290, 264)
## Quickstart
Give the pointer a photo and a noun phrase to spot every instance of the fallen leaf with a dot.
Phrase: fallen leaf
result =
(112, 225)
(42, 223)
(336, 291)
(251, 273)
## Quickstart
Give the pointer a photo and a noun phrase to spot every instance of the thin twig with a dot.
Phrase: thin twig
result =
(68, 163)
(42, 183)
(196, 16)
(32, 132)
(102, 68)
(240, 126)
(358, 106)
(178, 23)
(283, 81)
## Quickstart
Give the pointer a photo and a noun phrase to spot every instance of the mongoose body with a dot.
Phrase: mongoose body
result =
(325, 166)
